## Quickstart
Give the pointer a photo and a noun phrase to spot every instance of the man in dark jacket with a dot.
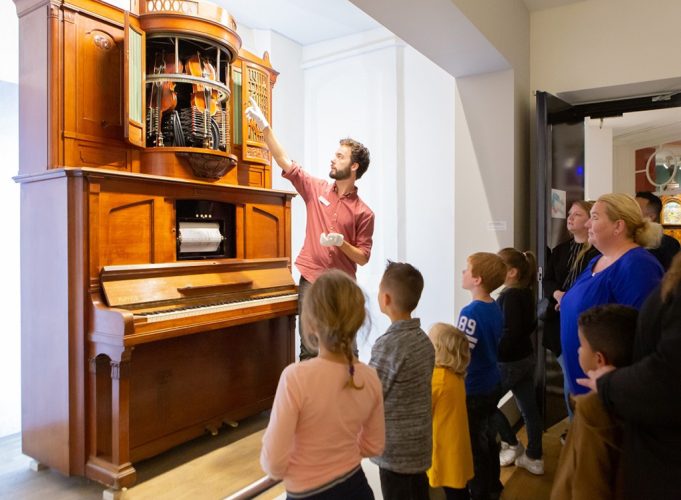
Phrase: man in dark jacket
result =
(651, 206)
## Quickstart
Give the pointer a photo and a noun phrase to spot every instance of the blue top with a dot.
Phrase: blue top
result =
(628, 281)
(483, 324)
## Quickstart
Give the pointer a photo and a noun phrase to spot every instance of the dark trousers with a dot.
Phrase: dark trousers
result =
(485, 484)
(396, 486)
(305, 353)
(354, 487)
(456, 493)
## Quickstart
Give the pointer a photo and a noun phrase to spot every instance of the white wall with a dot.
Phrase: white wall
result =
(624, 168)
(484, 174)
(506, 24)
(468, 38)
(350, 90)
(602, 43)
(598, 164)
(10, 368)
(426, 191)
(606, 49)
(371, 87)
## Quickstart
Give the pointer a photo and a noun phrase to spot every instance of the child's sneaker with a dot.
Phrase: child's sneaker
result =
(535, 467)
(509, 453)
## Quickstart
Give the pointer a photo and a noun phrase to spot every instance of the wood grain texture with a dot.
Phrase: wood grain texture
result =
(102, 388)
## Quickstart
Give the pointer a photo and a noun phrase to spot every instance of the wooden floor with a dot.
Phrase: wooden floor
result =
(214, 467)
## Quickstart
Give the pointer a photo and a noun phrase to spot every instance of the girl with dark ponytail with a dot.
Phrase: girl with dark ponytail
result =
(516, 360)
(328, 411)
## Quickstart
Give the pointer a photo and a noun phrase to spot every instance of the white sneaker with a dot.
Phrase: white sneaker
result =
(535, 467)
(509, 453)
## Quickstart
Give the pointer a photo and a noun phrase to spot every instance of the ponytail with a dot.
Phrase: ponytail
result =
(524, 262)
(346, 348)
(648, 234)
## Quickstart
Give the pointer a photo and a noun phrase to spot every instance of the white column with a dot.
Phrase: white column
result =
(598, 167)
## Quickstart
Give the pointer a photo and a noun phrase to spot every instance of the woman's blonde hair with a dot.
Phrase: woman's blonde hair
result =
(451, 347)
(585, 205)
(620, 206)
(333, 311)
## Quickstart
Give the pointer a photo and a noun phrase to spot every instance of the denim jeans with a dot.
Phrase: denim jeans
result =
(485, 484)
(566, 388)
(518, 377)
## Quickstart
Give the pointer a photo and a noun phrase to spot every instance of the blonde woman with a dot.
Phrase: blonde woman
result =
(567, 261)
(452, 465)
(625, 273)
(569, 258)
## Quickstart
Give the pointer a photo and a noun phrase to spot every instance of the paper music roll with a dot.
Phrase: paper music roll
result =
(199, 237)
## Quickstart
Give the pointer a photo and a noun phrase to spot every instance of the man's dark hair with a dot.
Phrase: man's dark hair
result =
(358, 154)
(610, 330)
(405, 284)
(654, 203)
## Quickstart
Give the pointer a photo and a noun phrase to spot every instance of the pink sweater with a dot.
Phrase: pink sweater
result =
(319, 429)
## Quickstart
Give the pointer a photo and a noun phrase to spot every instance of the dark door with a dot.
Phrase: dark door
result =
(560, 181)
(560, 171)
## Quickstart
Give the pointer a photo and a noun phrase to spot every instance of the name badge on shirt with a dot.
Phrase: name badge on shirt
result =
(324, 201)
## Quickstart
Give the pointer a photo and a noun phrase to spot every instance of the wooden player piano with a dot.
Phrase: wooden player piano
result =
(157, 297)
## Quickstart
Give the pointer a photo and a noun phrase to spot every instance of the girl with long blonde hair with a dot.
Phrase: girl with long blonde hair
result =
(328, 411)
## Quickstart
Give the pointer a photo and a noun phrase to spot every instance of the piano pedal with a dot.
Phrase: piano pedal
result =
(231, 423)
(212, 429)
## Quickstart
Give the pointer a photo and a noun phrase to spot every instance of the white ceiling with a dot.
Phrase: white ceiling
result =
(303, 21)
(311, 21)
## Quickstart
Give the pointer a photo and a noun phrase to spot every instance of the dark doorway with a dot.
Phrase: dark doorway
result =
(560, 172)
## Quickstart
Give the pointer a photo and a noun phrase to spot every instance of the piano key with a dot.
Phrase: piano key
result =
(155, 316)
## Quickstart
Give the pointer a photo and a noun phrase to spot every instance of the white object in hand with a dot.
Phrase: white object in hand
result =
(331, 239)
(253, 112)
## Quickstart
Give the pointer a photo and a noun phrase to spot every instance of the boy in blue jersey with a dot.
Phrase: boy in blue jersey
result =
(483, 322)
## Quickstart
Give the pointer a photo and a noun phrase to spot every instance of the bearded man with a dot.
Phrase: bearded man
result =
(340, 226)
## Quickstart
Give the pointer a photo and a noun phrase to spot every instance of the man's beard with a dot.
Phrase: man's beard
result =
(340, 174)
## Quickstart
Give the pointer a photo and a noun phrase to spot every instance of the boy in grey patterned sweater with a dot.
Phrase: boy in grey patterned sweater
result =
(404, 359)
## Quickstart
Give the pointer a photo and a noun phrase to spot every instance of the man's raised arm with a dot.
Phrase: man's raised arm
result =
(253, 112)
